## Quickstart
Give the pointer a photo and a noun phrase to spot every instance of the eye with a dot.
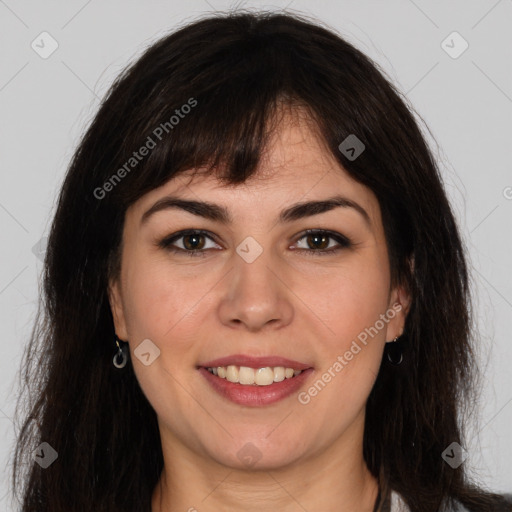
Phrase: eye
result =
(318, 242)
(192, 242)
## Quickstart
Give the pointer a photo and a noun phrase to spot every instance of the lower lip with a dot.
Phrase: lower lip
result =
(256, 396)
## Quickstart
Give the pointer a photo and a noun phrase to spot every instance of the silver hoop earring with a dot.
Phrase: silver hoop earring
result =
(121, 357)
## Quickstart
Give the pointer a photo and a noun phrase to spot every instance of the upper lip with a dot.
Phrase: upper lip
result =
(255, 362)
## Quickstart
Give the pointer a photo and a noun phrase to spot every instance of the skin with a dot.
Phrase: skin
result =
(305, 306)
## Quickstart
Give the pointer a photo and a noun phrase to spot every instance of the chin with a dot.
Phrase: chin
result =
(256, 454)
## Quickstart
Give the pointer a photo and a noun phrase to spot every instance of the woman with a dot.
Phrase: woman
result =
(256, 295)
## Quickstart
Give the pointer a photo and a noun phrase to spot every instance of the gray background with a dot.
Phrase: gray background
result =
(466, 102)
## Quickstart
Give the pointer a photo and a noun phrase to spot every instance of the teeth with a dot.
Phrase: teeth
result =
(232, 373)
(264, 376)
(249, 376)
(246, 375)
(279, 372)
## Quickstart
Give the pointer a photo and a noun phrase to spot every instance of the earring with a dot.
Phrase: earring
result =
(394, 351)
(121, 357)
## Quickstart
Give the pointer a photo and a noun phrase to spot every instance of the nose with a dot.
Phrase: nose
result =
(256, 296)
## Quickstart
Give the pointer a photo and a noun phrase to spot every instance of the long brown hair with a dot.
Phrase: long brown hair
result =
(233, 71)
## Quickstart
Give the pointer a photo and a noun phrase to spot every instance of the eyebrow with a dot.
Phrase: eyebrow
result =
(220, 214)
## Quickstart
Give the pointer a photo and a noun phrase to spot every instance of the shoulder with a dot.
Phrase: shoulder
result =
(399, 505)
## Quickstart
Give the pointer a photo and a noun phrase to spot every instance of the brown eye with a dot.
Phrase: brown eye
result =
(193, 242)
(318, 242)
(190, 243)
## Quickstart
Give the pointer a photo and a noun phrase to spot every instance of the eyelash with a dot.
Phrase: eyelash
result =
(342, 240)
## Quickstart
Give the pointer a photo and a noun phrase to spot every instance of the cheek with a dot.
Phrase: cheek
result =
(162, 301)
(352, 352)
(353, 300)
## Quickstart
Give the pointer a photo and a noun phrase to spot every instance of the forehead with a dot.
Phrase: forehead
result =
(295, 165)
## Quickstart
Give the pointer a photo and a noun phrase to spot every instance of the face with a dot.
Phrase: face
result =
(259, 286)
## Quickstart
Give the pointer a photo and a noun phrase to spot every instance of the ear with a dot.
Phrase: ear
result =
(117, 308)
(400, 304)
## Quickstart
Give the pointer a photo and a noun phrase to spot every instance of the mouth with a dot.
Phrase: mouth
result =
(248, 376)
(255, 381)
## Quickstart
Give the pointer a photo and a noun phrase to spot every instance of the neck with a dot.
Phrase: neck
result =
(336, 479)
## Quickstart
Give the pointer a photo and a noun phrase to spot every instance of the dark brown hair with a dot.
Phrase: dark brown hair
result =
(234, 71)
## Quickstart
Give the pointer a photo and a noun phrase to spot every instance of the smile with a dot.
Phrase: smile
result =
(253, 394)
(256, 377)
